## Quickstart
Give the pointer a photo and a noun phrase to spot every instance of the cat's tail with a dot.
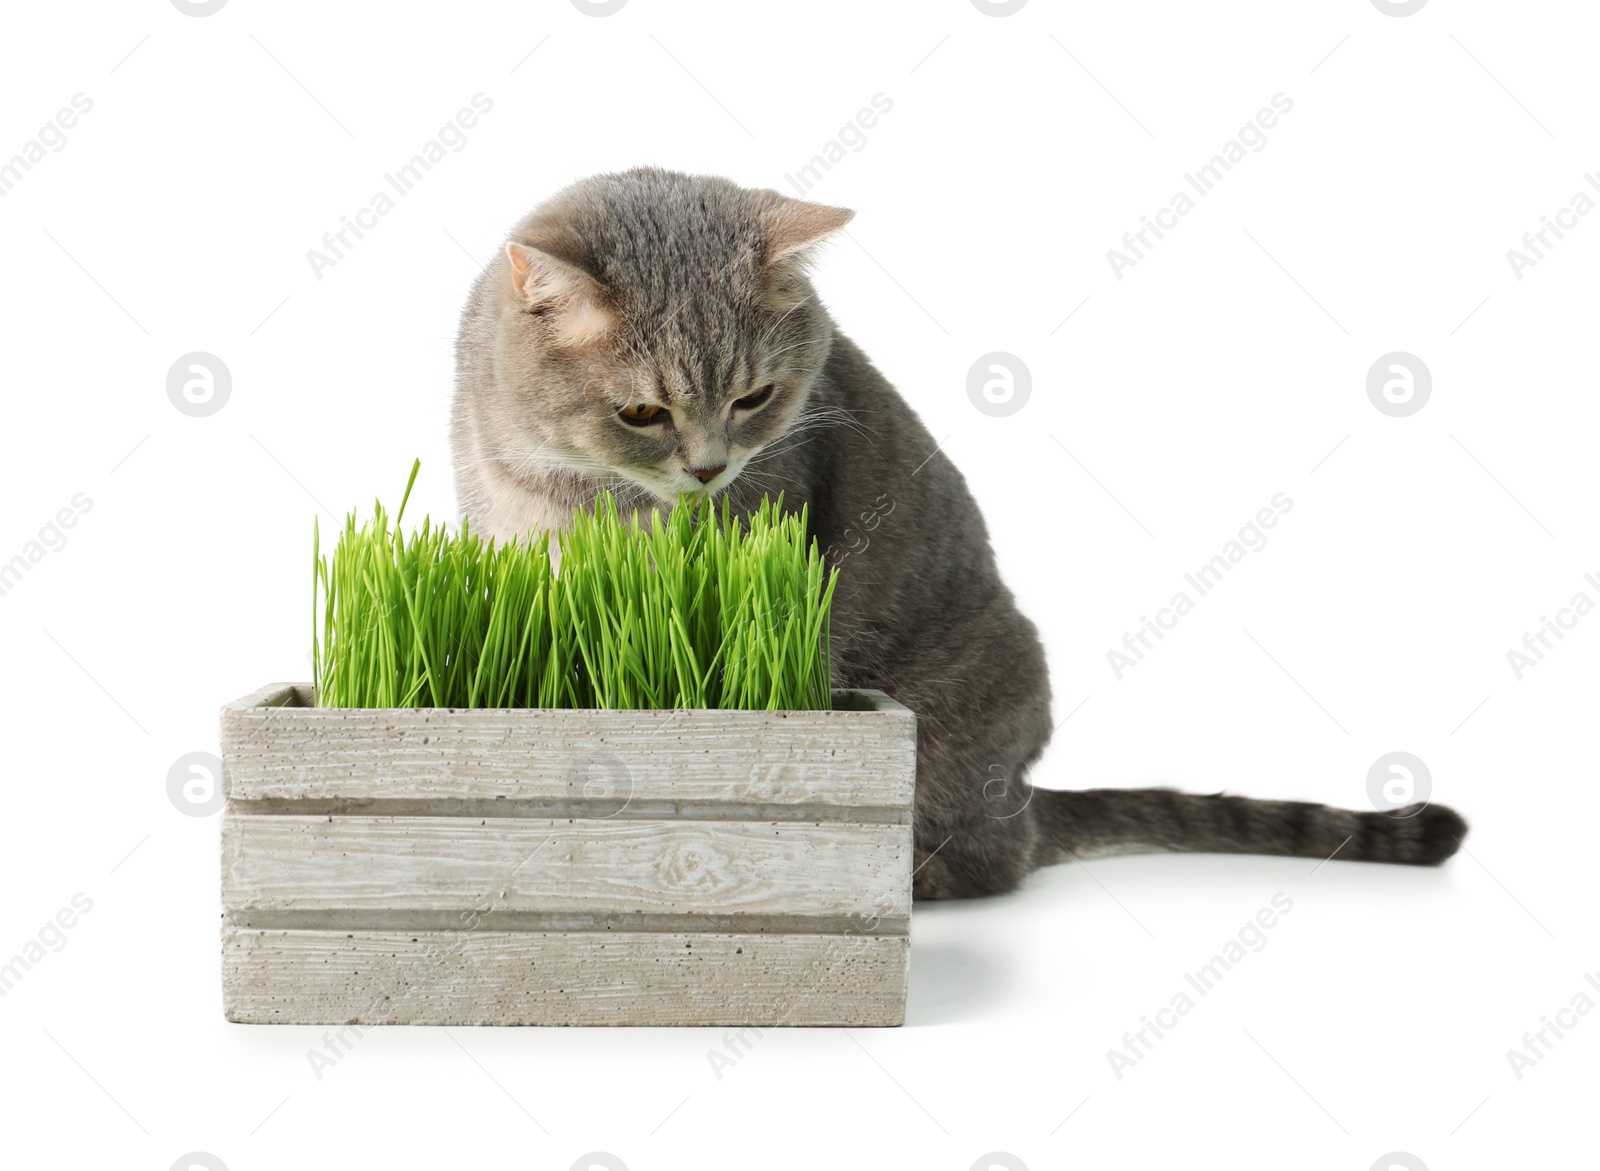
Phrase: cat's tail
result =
(1100, 822)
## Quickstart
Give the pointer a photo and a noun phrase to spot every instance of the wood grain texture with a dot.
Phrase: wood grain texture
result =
(490, 977)
(448, 866)
(596, 867)
(274, 748)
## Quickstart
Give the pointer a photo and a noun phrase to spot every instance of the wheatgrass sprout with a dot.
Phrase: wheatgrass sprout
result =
(696, 609)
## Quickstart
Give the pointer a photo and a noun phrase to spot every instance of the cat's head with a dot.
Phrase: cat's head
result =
(656, 327)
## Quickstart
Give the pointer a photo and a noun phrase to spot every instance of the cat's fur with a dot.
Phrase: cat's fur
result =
(689, 292)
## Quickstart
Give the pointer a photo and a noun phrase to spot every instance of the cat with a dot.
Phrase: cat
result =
(656, 333)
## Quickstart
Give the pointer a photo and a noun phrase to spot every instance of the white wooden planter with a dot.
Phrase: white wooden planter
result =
(564, 867)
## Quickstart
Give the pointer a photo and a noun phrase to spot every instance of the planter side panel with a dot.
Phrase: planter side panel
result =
(862, 758)
(584, 978)
(346, 865)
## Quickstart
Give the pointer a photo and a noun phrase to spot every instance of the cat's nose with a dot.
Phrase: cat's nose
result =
(706, 475)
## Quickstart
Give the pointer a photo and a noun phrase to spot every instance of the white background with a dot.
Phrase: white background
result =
(178, 216)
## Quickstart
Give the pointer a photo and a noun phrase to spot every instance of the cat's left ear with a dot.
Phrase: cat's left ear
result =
(792, 225)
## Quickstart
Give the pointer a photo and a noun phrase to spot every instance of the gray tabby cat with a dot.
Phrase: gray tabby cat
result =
(655, 333)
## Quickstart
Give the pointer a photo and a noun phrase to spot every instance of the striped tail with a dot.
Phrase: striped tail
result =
(1101, 822)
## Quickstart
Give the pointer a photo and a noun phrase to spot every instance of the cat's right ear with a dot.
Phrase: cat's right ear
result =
(541, 282)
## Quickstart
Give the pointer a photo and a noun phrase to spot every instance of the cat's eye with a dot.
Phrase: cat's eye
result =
(751, 401)
(643, 414)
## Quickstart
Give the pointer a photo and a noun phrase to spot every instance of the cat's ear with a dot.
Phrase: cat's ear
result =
(791, 225)
(542, 282)
(540, 278)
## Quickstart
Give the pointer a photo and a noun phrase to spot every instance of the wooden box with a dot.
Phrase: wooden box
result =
(565, 867)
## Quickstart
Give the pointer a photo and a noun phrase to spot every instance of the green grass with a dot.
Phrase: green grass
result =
(698, 609)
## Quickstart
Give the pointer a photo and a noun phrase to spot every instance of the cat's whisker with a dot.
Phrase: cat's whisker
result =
(797, 345)
(558, 460)
(777, 449)
(776, 325)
